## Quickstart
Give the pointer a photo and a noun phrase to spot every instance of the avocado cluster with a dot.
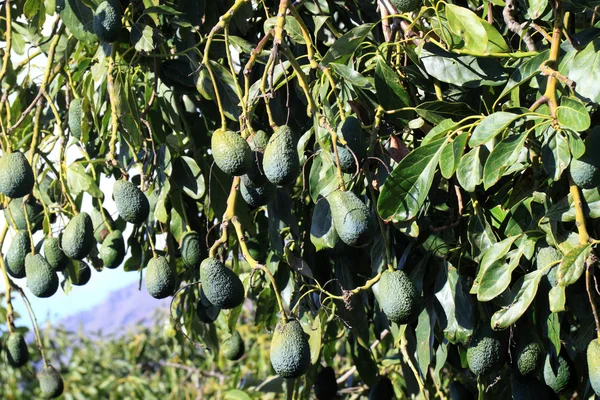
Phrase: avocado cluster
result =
(16, 175)
(351, 218)
(132, 204)
(486, 351)
(233, 347)
(231, 153)
(281, 163)
(398, 297)
(290, 352)
(78, 237)
(161, 279)
(221, 286)
(191, 249)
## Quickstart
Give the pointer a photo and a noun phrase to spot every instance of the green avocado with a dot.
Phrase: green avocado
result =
(233, 347)
(326, 386)
(191, 249)
(255, 177)
(112, 251)
(57, 259)
(350, 218)
(486, 351)
(17, 353)
(101, 224)
(351, 131)
(77, 239)
(347, 163)
(398, 297)
(82, 273)
(51, 383)
(16, 212)
(132, 204)
(559, 374)
(290, 351)
(593, 360)
(161, 279)
(75, 117)
(382, 390)
(529, 352)
(258, 196)
(585, 170)
(547, 255)
(231, 152)
(14, 260)
(16, 175)
(42, 280)
(404, 6)
(205, 311)
(221, 286)
(107, 21)
(280, 161)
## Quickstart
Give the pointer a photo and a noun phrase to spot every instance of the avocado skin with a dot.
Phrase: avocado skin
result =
(221, 286)
(558, 372)
(258, 196)
(191, 249)
(160, 278)
(16, 175)
(75, 117)
(585, 170)
(112, 251)
(593, 360)
(382, 390)
(17, 209)
(15, 256)
(347, 163)
(84, 273)
(42, 280)
(255, 177)
(351, 131)
(486, 351)
(406, 5)
(233, 347)
(132, 204)
(529, 354)
(51, 383)
(547, 255)
(398, 296)
(107, 22)
(77, 239)
(350, 218)
(17, 353)
(281, 164)
(57, 259)
(326, 386)
(231, 153)
(290, 351)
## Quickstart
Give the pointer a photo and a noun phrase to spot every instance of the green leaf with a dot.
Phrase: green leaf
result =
(572, 265)
(292, 28)
(524, 292)
(79, 19)
(585, 70)
(480, 234)
(572, 114)
(467, 25)
(423, 334)
(451, 293)
(493, 255)
(405, 190)
(142, 37)
(350, 76)
(227, 90)
(496, 43)
(344, 47)
(470, 168)
(526, 71)
(438, 111)
(553, 325)
(564, 210)
(497, 277)
(188, 177)
(451, 155)
(31, 7)
(388, 86)
(504, 155)
(322, 233)
(557, 299)
(536, 8)
(556, 154)
(235, 394)
(491, 126)
(322, 177)
(315, 333)
(81, 181)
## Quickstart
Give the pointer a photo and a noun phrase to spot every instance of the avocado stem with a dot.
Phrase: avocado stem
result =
(34, 322)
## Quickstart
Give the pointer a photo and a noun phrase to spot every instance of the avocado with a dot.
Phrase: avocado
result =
(351, 131)
(77, 239)
(112, 251)
(347, 163)
(51, 383)
(290, 351)
(529, 352)
(486, 350)
(206, 312)
(593, 360)
(281, 164)
(233, 347)
(16, 175)
(101, 224)
(132, 204)
(398, 296)
(255, 177)
(559, 374)
(54, 255)
(14, 261)
(17, 209)
(107, 21)
(82, 273)
(231, 153)
(585, 170)
(258, 250)
(42, 280)
(191, 249)
(258, 196)
(326, 386)
(545, 256)
(404, 6)
(221, 286)
(528, 388)
(161, 279)
(17, 353)
(382, 390)
(75, 117)
(350, 218)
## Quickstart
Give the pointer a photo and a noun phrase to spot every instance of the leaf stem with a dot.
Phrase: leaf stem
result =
(34, 322)
(227, 216)
(112, 96)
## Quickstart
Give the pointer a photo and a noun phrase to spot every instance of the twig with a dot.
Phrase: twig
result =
(588, 279)
(36, 328)
(514, 26)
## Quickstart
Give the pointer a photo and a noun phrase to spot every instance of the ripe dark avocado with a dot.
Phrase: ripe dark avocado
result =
(233, 347)
(102, 221)
(326, 386)
(347, 163)
(54, 254)
(486, 351)
(51, 383)
(17, 209)
(107, 21)
(221, 286)
(529, 352)
(77, 239)
(255, 177)
(41, 277)
(382, 390)
(290, 351)
(132, 204)
(17, 353)
(16, 175)
(75, 117)
(191, 249)
(350, 218)
(559, 374)
(545, 256)
(15, 256)
(406, 5)
(280, 161)
(351, 131)
(231, 152)
(398, 296)
(161, 279)
(112, 251)
(585, 170)
(82, 273)
(593, 360)
(258, 196)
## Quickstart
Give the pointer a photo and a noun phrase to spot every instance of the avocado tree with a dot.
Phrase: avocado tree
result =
(398, 197)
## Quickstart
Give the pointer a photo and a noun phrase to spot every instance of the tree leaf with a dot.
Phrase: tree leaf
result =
(188, 177)
(438, 111)
(81, 181)
(142, 37)
(564, 210)
(493, 254)
(470, 168)
(491, 126)
(344, 47)
(467, 25)
(572, 265)
(556, 154)
(524, 292)
(585, 70)
(388, 86)
(527, 70)
(227, 90)
(451, 155)
(572, 114)
(502, 156)
(557, 299)
(350, 76)
(451, 293)
(322, 233)
(424, 337)
(80, 21)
